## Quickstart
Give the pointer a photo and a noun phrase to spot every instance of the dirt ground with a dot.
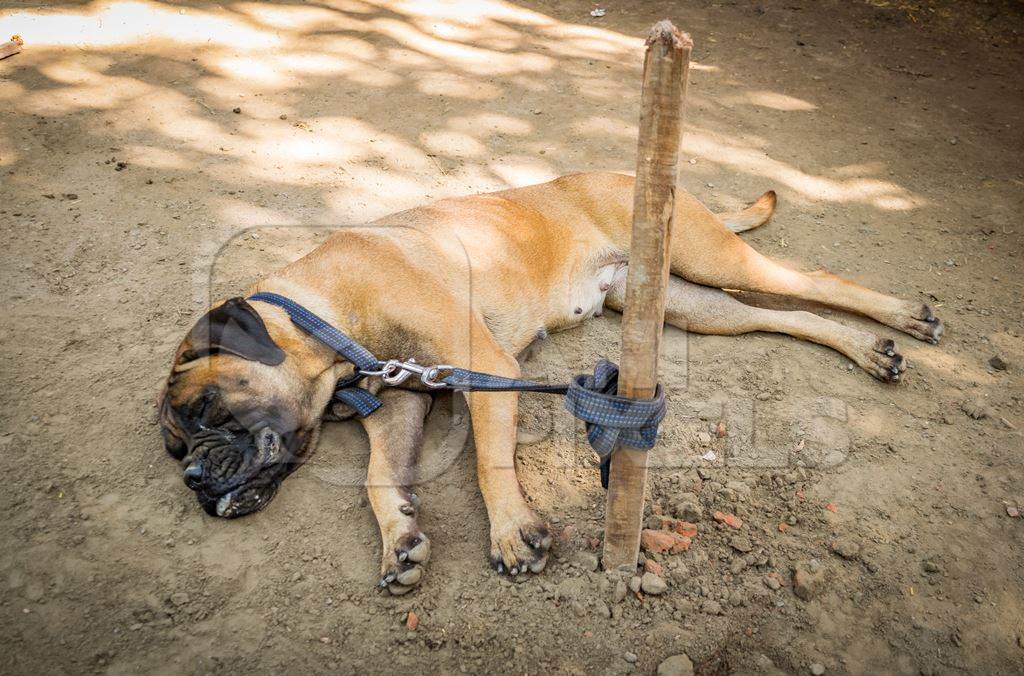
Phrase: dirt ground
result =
(156, 155)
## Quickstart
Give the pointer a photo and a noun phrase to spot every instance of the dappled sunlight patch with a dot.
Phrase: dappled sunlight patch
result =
(280, 71)
(949, 364)
(604, 126)
(894, 203)
(778, 101)
(85, 87)
(599, 87)
(859, 169)
(8, 154)
(473, 59)
(378, 192)
(247, 69)
(291, 17)
(472, 10)
(107, 24)
(155, 158)
(883, 194)
(519, 170)
(452, 143)
(441, 83)
(495, 122)
(240, 212)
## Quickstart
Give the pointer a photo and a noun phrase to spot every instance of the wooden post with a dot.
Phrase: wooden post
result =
(666, 68)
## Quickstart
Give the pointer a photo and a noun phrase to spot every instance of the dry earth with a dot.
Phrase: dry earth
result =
(131, 194)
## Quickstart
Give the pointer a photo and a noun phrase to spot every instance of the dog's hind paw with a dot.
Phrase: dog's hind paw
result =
(402, 563)
(520, 547)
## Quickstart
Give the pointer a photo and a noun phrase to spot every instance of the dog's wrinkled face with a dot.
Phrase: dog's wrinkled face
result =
(238, 411)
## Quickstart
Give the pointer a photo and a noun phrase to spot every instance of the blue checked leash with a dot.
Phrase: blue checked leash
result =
(611, 420)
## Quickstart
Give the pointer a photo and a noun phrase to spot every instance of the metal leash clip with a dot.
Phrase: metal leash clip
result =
(395, 372)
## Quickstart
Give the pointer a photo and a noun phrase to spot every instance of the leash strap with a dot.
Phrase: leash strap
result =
(611, 420)
(348, 393)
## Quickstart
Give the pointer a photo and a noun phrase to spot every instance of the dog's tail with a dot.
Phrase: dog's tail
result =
(753, 216)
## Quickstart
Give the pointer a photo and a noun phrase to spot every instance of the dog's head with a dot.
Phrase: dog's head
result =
(242, 403)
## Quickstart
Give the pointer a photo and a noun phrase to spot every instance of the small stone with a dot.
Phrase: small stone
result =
(634, 584)
(586, 560)
(771, 580)
(630, 657)
(620, 591)
(1012, 512)
(677, 665)
(846, 548)
(652, 566)
(817, 669)
(688, 509)
(412, 621)
(652, 584)
(741, 544)
(179, 598)
(282, 116)
(976, 409)
(997, 362)
(808, 580)
(236, 111)
(578, 609)
(931, 567)
(712, 607)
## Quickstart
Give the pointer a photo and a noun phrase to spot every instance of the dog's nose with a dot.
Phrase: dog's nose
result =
(193, 475)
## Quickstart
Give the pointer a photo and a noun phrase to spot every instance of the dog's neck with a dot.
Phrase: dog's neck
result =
(293, 340)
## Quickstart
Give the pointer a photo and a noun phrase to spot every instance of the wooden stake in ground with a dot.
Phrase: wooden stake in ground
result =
(666, 68)
(11, 47)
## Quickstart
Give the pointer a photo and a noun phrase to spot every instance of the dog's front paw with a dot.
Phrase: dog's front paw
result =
(402, 562)
(883, 361)
(923, 324)
(519, 545)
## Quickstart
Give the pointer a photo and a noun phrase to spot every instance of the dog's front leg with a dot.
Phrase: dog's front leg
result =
(396, 434)
(519, 539)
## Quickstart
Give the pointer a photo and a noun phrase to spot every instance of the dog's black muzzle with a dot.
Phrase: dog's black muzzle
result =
(230, 474)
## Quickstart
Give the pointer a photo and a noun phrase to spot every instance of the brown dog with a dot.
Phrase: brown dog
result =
(469, 281)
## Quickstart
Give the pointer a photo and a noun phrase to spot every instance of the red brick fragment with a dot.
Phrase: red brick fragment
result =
(663, 541)
(652, 566)
(728, 519)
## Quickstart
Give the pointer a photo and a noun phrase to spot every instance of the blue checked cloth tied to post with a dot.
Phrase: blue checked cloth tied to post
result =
(611, 420)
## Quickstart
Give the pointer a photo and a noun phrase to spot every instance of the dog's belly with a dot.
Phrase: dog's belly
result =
(586, 294)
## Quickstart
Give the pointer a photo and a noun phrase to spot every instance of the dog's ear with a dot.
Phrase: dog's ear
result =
(233, 328)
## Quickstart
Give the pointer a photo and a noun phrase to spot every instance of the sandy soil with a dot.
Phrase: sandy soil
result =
(131, 194)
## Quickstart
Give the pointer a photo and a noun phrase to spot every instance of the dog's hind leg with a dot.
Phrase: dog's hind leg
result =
(396, 434)
(702, 309)
(706, 252)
